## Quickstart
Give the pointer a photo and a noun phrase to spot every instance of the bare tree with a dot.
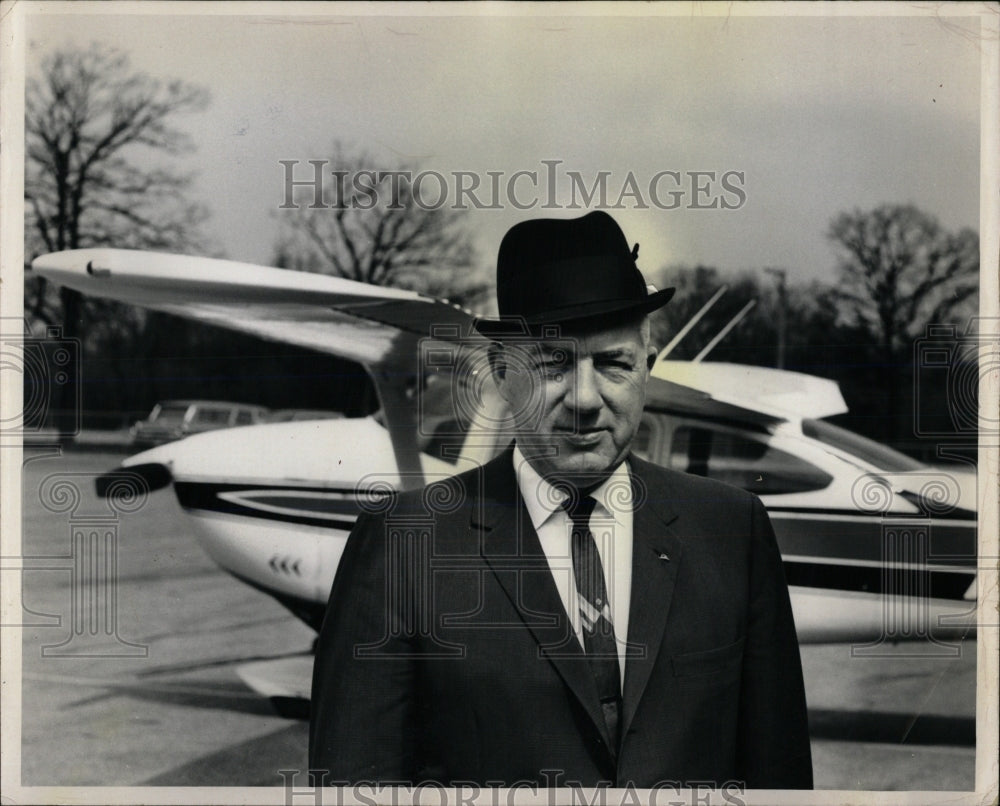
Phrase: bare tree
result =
(899, 271)
(378, 233)
(96, 135)
(99, 142)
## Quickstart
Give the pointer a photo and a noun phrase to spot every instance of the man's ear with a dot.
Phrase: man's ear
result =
(498, 361)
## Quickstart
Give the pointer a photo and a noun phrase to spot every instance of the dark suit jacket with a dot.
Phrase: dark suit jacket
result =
(446, 654)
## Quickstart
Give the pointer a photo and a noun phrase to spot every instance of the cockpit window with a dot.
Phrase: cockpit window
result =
(874, 453)
(447, 396)
(646, 443)
(744, 462)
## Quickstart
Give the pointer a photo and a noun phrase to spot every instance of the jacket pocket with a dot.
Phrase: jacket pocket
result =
(709, 661)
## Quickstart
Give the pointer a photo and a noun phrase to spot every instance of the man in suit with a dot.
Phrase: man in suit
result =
(567, 614)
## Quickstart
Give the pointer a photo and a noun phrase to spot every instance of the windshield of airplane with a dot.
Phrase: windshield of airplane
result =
(449, 398)
(868, 450)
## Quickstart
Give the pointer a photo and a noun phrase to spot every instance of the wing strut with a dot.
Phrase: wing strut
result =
(396, 379)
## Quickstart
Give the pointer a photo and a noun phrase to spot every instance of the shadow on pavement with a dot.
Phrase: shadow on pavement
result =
(892, 728)
(252, 763)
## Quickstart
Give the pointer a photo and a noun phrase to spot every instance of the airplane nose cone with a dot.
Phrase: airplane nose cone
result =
(134, 479)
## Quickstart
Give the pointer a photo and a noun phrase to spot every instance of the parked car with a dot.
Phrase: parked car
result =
(297, 415)
(174, 419)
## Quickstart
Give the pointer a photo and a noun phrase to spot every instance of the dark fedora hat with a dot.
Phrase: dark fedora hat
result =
(567, 271)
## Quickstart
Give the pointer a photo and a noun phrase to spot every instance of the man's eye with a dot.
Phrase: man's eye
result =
(557, 362)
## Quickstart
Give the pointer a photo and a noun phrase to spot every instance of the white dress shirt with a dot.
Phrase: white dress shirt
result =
(611, 525)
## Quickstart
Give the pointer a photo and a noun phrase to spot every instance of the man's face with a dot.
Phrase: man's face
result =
(576, 400)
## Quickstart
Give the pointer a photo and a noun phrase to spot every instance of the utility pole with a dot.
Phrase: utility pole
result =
(782, 275)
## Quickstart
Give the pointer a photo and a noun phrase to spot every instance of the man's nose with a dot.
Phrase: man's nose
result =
(582, 393)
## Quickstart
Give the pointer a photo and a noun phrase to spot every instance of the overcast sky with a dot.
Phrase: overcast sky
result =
(815, 115)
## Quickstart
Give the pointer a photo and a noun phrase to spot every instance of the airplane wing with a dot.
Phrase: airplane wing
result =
(353, 320)
(378, 327)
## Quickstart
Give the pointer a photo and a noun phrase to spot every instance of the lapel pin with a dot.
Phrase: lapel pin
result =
(664, 556)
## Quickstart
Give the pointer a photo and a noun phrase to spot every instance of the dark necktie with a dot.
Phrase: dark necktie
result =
(595, 611)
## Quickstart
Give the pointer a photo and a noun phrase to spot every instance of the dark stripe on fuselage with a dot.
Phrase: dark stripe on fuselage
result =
(951, 514)
(205, 497)
(861, 538)
(873, 539)
(890, 580)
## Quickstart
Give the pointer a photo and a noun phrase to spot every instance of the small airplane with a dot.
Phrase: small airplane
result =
(877, 547)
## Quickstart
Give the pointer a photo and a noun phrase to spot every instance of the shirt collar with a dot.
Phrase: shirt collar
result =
(542, 499)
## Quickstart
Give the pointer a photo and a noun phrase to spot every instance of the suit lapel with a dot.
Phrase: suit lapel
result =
(656, 556)
(510, 546)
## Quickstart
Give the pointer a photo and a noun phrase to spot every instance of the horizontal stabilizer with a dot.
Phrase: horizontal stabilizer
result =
(762, 392)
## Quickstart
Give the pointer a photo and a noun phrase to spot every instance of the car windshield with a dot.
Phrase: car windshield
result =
(170, 414)
(212, 416)
(874, 453)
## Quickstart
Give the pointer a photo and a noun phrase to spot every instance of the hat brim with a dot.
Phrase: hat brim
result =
(572, 315)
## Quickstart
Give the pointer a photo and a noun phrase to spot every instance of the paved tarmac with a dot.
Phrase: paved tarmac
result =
(142, 689)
